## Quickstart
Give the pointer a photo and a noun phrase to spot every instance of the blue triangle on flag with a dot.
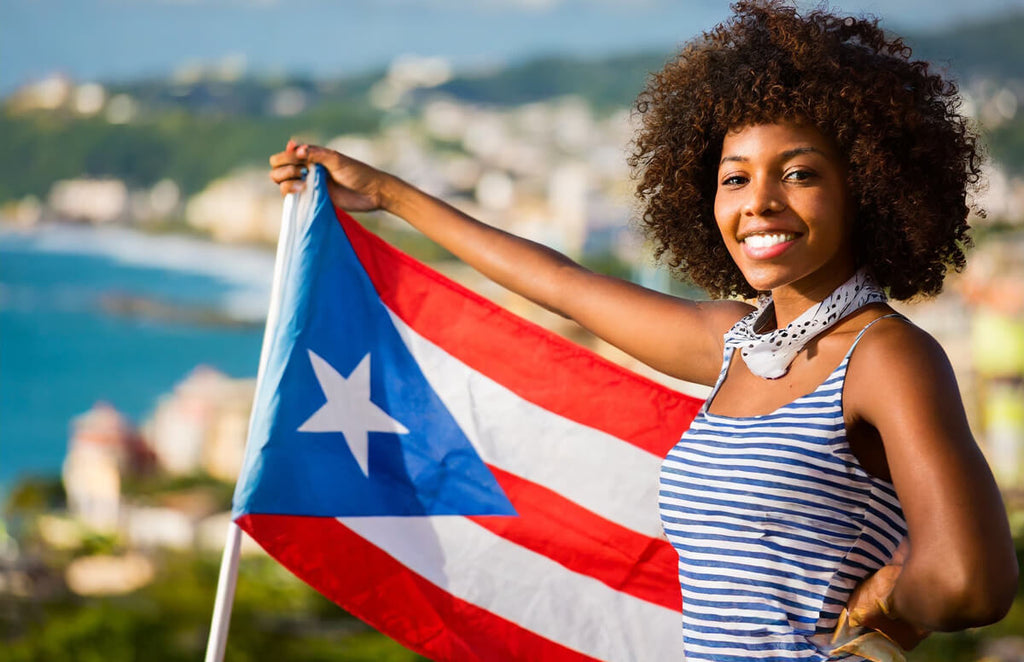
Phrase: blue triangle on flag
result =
(329, 306)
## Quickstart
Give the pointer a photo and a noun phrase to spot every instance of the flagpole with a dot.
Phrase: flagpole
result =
(225, 595)
(228, 577)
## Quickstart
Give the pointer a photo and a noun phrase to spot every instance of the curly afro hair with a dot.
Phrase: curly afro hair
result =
(911, 156)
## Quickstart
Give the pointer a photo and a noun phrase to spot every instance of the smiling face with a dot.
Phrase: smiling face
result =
(783, 210)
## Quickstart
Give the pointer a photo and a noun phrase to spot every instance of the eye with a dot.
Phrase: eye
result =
(799, 175)
(734, 180)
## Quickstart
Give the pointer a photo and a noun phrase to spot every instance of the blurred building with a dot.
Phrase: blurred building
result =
(90, 200)
(244, 207)
(108, 575)
(994, 285)
(199, 428)
(49, 93)
(202, 425)
(103, 448)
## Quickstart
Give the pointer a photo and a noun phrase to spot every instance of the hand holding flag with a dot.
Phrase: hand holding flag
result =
(352, 184)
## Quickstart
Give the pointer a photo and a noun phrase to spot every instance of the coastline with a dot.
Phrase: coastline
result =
(248, 270)
(90, 314)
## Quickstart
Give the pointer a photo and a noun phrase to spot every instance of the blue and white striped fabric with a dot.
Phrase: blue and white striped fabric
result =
(775, 523)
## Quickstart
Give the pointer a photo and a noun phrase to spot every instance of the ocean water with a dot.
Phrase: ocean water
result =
(106, 314)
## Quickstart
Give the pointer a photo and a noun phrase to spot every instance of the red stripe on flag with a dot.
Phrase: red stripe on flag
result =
(583, 542)
(379, 590)
(491, 340)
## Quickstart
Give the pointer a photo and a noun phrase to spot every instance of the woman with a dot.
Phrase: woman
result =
(805, 160)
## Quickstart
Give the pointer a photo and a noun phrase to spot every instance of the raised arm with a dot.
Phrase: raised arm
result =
(960, 569)
(678, 337)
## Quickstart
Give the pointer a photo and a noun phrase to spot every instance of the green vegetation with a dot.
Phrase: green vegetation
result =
(606, 84)
(34, 495)
(30, 497)
(146, 487)
(190, 148)
(1006, 144)
(275, 617)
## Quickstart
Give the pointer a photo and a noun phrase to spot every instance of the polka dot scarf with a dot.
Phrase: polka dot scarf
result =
(769, 355)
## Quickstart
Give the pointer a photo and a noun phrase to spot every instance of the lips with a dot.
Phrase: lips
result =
(767, 245)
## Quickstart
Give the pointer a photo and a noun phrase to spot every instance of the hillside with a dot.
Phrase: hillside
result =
(192, 133)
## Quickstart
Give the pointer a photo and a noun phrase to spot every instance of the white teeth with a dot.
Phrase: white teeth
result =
(767, 240)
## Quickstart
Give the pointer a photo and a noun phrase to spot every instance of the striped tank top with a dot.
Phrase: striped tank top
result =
(775, 523)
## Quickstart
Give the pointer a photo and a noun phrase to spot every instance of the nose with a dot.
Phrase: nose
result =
(763, 198)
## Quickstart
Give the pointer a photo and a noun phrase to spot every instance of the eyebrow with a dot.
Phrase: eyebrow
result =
(788, 154)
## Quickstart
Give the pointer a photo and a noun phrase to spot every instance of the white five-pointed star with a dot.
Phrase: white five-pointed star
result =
(348, 409)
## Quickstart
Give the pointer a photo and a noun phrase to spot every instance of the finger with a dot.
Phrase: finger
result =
(316, 154)
(284, 158)
(288, 172)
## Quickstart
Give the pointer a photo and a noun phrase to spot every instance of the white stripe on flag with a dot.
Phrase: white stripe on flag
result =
(598, 471)
(484, 569)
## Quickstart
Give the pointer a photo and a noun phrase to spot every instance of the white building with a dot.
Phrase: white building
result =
(202, 424)
(92, 200)
(104, 446)
(244, 207)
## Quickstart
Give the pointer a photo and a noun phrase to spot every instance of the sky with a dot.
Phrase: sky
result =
(116, 40)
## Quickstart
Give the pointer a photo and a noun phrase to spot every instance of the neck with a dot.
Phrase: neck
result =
(793, 299)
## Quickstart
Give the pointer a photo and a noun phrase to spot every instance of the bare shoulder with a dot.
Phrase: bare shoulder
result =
(896, 361)
(897, 344)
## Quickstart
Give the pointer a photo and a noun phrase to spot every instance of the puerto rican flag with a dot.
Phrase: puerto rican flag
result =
(464, 481)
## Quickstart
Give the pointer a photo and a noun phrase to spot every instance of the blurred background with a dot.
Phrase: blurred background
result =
(137, 226)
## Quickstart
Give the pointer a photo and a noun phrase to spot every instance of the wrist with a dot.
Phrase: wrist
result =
(391, 193)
